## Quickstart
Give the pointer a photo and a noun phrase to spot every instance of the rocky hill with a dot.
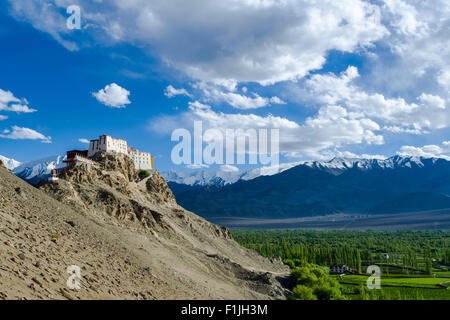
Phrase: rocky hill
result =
(129, 237)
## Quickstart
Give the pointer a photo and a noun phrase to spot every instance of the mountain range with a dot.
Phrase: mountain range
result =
(222, 178)
(362, 186)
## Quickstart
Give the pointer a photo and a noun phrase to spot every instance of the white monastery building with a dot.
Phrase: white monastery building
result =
(142, 160)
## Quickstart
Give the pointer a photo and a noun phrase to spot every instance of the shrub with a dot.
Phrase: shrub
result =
(289, 262)
(143, 174)
(314, 282)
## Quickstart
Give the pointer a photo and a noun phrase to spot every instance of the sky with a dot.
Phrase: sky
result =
(349, 78)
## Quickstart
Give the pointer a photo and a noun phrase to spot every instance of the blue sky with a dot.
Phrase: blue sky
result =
(349, 79)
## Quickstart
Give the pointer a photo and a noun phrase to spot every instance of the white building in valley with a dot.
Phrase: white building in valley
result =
(142, 160)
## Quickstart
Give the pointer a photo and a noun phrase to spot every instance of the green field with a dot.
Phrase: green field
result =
(417, 266)
(400, 293)
(403, 281)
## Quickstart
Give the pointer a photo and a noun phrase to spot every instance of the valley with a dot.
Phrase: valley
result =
(421, 220)
(395, 193)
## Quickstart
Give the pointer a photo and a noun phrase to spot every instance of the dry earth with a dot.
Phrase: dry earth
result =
(129, 238)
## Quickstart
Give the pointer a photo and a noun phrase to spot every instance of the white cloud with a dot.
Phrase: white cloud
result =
(426, 112)
(197, 166)
(276, 100)
(19, 133)
(228, 168)
(234, 47)
(8, 102)
(113, 96)
(46, 16)
(86, 141)
(428, 151)
(215, 93)
(332, 127)
(2, 117)
(405, 18)
(171, 92)
(419, 55)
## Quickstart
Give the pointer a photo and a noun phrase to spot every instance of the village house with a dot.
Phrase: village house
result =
(340, 269)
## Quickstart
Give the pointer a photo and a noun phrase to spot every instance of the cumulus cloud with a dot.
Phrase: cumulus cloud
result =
(18, 133)
(171, 92)
(113, 96)
(301, 33)
(228, 168)
(8, 102)
(428, 151)
(86, 141)
(332, 127)
(419, 55)
(427, 111)
(197, 166)
(215, 93)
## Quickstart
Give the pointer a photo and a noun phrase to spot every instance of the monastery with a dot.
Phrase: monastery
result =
(105, 143)
(142, 160)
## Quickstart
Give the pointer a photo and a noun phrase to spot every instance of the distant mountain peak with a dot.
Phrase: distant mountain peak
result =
(221, 178)
(33, 171)
(10, 163)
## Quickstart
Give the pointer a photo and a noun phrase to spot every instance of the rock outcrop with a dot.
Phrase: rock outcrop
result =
(109, 186)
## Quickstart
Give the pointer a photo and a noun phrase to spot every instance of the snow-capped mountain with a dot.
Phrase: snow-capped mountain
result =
(338, 165)
(221, 178)
(202, 178)
(10, 163)
(335, 166)
(33, 171)
(399, 184)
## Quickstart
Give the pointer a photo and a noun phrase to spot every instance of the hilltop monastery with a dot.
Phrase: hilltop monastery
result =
(105, 143)
(142, 160)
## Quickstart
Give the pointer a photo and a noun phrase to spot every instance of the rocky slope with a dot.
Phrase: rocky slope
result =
(129, 237)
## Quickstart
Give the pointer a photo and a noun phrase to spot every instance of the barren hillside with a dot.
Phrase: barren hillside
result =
(129, 237)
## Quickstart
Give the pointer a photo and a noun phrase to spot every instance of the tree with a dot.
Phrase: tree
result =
(304, 293)
(358, 261)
